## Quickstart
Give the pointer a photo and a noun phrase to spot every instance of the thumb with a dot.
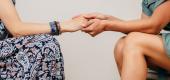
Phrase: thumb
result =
(89, 16)
(84, 25)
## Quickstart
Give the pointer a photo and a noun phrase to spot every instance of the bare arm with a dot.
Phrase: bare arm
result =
(13, 23)
(152, 25)
(16, 27)
(144, 16)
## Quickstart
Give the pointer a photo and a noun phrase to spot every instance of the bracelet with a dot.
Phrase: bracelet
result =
(54, 28)
(58, 27)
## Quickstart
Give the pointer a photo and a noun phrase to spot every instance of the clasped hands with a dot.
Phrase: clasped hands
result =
(92, 23)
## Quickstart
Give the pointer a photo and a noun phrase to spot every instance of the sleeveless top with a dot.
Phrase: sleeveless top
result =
(3, 31)
(148, 7)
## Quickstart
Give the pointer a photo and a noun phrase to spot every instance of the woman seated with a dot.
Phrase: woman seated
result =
(143, 46)
(30, 51)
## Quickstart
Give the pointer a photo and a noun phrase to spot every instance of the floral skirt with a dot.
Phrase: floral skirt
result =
(36, 57)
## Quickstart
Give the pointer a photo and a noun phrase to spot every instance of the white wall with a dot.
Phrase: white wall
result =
(86, 58)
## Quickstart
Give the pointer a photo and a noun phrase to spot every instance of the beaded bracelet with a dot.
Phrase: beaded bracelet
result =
(55, 28)
(58, 27)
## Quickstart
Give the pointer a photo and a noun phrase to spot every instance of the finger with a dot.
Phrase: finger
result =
(89, 33)
(96, 32)
(90, 16)
(92, 34)
(90, 27)
(87, 28)
(88, 24)
(85, 25)
(86, 31)
(93, 21)
(94, 15)
(91, 24)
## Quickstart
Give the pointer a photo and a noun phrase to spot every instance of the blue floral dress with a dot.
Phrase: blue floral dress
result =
(35, 57)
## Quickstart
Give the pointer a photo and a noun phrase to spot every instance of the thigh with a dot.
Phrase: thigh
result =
(153, 48)
(33, 57)
(46, 61)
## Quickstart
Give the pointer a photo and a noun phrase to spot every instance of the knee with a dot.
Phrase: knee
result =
(133, 38)
(118, 48)
(126, 43)
(132, 44)
(119, 45)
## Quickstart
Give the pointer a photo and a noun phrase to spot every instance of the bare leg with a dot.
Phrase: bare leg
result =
(137, 46)
(118, 53)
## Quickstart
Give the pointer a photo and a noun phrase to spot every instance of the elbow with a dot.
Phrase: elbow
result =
(15, 33)
(155, 28)
(16, 30)
(154, 31)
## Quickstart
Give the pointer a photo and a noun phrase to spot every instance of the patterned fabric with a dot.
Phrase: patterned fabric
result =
(3, 31)
(36, 57)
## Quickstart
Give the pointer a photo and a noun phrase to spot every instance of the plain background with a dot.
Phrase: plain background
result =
(86, 58)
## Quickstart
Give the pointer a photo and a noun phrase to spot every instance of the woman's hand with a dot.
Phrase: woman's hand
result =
(95, 27)
(73, 25)
(97, 22)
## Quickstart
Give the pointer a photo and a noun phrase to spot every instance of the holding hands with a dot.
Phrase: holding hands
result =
(91, 23)
(96, 24)
(94, 27)
(73, 25)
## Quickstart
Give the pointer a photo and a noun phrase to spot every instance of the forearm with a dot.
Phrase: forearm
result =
(145, 25)
(13, 23)
(112, 18)
(23, 29)
(17, 28)
(159, 19)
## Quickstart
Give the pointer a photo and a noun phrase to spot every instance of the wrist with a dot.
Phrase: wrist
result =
(108, 17)
(62, 29)
(63, 26)
(106, 24)
(112, 18)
